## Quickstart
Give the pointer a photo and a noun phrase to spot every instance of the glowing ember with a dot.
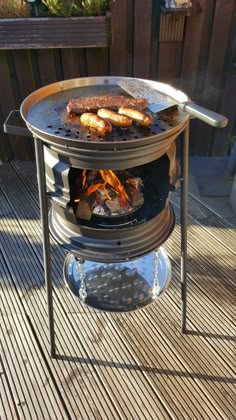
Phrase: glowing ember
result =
(109, 178)
(109, 195)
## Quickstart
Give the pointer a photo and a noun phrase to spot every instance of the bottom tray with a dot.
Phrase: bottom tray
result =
(119, 287)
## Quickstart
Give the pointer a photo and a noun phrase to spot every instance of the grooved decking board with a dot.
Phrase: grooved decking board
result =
(78, 383)
(8, 408)
(138, 362)
(122, 393)
(23, 366)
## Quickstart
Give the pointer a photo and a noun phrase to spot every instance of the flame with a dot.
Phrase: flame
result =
(109, 178)
(95, 187)
(84, 178)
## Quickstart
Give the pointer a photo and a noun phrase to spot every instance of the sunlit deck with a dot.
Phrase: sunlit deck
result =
(108, 366)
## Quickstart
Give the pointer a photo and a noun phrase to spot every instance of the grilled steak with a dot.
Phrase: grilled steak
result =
(81, 105)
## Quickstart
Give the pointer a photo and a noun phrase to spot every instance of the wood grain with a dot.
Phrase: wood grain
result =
(135, 365)
(55, 32)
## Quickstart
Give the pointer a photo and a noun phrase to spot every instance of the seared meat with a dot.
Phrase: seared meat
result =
(81, 105)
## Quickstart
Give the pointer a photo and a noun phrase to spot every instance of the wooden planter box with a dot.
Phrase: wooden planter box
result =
(73, 32)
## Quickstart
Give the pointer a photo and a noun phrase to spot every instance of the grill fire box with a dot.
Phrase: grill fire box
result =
(110, 196)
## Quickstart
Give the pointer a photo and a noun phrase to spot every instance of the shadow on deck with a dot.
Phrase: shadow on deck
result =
(126, 366)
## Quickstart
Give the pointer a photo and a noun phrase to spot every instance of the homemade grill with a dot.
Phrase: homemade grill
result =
(115, 259)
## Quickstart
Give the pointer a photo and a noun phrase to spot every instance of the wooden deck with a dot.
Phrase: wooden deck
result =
(108, 366)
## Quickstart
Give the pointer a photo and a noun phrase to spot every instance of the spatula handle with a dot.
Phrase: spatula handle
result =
(204, 114)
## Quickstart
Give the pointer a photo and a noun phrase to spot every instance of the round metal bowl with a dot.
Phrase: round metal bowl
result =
(119, 287)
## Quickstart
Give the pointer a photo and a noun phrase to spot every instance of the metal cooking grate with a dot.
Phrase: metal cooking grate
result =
(49, 116)
(73, 129)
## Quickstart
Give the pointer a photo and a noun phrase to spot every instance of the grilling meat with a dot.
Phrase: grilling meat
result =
(136, 115)
(80, 105)
(96, 123)
(114, 118)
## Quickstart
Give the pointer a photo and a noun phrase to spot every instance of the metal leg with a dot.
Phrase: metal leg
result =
(46, 243)
(184, 222)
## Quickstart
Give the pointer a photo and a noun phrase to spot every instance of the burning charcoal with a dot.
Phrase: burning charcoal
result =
(99, 210)
(135, 196)
(84, 208)
(136, 182)
(115, 206)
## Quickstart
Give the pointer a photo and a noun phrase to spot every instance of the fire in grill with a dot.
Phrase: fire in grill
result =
(106, 193)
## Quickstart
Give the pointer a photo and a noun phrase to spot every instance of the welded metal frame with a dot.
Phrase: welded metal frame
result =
(184, 223)
(79, 155)
(43, 202)
(41, 175)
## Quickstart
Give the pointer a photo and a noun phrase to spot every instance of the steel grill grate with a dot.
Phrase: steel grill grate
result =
(49, 117)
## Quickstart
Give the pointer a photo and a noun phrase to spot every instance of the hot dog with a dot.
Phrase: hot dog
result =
(138, 116)
(95, 122)
(114, 118)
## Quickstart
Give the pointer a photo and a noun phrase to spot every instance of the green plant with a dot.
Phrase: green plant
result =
(14, 9)
(59, 8)
(63, 8)
(76, 7)
(94, 7)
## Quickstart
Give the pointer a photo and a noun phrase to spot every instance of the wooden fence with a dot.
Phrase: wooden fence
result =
(196, 53)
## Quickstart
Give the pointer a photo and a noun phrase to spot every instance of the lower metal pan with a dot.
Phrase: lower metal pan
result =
(119, 287)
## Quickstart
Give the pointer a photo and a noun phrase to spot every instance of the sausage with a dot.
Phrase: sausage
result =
(138, 116)
(95, 122)
(114, 118)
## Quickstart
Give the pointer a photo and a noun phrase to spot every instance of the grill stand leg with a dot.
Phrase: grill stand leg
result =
(184, 222)
(39, 154)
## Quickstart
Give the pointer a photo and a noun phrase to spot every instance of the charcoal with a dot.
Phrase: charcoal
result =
(135, 196)
(115, 206)
(99, 210)
(84, 209)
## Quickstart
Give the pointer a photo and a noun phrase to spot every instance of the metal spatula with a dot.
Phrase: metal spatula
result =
(159, 101)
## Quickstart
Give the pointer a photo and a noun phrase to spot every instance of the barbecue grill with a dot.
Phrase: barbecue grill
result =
(115, 259)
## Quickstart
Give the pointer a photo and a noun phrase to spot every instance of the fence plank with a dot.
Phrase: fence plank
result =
(169, 62)
(97, 62)
(70, 63)
(121, 50)
(192, 47)
(216, 63)
(222, 138)
(47, 67)
(142, 38)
